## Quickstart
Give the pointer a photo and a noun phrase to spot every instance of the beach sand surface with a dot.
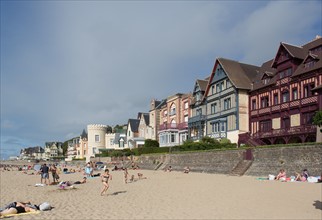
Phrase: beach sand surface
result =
(166, 195)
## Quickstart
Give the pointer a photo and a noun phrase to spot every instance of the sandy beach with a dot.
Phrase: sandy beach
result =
(166, 195)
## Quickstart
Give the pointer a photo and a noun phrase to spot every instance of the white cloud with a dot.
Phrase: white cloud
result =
(67, 64)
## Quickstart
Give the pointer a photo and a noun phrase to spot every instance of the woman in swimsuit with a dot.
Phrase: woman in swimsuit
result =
(105, 177)
(16, 208)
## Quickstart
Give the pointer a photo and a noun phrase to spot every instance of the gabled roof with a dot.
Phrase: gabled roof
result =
(265, 70)
(240, 74)
(134, 124)
(203, 84)
(146, 117)
(317, 65)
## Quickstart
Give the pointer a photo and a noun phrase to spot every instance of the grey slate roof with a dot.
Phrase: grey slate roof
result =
(134, 123)
(84, 134)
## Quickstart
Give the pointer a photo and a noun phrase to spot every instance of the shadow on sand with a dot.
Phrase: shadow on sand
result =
(317, 204)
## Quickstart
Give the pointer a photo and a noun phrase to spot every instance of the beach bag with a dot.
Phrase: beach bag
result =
(44, 206)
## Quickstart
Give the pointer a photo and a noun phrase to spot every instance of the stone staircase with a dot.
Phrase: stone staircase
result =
(158, 166)
(241, 168)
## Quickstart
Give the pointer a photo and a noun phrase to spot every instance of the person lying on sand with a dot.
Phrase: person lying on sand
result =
(18, 207)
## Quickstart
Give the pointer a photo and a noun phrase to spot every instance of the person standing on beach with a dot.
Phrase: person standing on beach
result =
(126, 175)
(44, 173)
(53, 170)
(105, 177)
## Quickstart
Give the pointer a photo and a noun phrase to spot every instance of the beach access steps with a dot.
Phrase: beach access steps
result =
(241, 168)
(158, 166)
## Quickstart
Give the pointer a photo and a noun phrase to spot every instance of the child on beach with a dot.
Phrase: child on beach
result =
(105, 177)
(281, 176)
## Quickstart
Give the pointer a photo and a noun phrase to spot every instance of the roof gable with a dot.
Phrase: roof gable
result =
(286, 51)
(134, 124)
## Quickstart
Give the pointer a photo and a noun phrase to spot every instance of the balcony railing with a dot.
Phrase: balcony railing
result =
(304, 129)
(285, 105)
(179, 126)
(197, 118)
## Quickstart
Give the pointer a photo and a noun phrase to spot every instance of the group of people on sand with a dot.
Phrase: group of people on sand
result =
(302, 177)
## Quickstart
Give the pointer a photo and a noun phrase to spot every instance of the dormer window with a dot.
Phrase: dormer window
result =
(285, 73)
(266, 81)
(309, 64)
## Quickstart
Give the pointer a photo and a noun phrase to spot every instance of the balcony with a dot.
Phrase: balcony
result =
(197, 118)
(304, 129)
(285, 106)
(180, 126)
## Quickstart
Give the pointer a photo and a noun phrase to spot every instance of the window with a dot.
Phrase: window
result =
(186, 105)
(212, 89)
(218, 88)
(265, 126)
(294, 94)
(165, 113)
(286, 123)
(212, 108)
(253, 104)
(307, 118)
(285, 73)
(173, 138)
(309, 64)
(266, 81)
(111, 142)
(275, 101)
(186, 118)
(264, 102)
(222, 86)
(173, 109)
(97, 138)
(228, 84)
(94, 150)
(307, 90)
(285, 96)
(227, 103)
(223, 126)
(199, 111)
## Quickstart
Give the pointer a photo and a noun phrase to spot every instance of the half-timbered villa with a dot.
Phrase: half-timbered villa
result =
(284, 97)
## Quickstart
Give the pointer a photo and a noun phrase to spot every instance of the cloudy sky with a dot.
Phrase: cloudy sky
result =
(66, 64)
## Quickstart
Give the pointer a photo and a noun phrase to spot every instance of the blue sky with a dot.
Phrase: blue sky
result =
(66, 64)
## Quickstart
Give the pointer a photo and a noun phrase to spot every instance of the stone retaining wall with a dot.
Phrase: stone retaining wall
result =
(266, 160)
(292, 159)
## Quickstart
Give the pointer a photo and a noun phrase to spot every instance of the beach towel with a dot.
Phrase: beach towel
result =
(312, 179)
(40, 184)
(24, 213)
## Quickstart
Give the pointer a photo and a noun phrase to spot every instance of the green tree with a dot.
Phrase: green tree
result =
(151, 143)
(317, 119)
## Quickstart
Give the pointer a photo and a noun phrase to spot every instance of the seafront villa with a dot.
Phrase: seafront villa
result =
(255, 105)
(285, 96)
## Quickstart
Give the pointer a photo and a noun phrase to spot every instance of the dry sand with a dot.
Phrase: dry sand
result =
(166, 195)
